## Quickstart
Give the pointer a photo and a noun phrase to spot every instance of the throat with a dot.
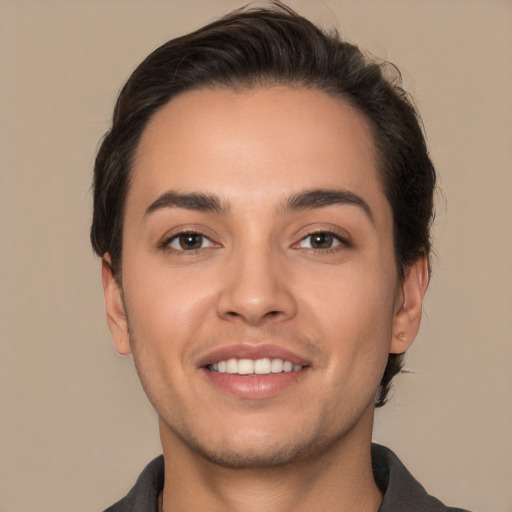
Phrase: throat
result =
(294, 487)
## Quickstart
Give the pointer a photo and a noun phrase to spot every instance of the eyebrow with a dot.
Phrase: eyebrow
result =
(192, 201)
(307, 200)
(321, 198)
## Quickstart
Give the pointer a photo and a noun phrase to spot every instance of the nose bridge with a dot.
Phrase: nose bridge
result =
(255, 289)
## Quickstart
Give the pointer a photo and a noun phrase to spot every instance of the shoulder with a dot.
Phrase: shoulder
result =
(143, 497)
(401, 491)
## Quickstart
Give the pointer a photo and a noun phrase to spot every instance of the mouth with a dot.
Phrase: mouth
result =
(253, 372)
(262, 366)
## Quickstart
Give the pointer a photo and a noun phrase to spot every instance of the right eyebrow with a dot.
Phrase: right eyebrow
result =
(192, 201)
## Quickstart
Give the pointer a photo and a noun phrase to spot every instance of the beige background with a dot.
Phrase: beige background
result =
(75, 428)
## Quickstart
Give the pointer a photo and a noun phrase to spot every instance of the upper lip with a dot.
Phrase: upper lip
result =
(251, 351)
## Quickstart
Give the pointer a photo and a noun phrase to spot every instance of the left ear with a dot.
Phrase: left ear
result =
(409, 306)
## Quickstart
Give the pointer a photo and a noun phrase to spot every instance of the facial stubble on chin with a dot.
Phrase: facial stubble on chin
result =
(298, 449)
(303, 447)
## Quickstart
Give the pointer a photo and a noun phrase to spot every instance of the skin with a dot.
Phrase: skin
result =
(257, 276)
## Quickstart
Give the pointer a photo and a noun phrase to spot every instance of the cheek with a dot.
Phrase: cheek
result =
(353, 312)
(168, 312)
(164, 316)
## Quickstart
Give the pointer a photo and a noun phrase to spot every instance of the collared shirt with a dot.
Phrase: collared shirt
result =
(401, 492)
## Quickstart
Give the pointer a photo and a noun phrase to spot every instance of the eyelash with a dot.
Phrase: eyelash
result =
(341, 241)
(336, 237)
(166, 244)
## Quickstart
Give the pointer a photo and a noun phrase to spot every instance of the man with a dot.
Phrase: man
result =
(262, 207)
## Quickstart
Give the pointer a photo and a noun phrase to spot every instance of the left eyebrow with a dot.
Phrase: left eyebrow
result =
(321, 198)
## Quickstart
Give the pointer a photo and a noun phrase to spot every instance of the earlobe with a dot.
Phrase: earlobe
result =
(408, 312)
(114, 306)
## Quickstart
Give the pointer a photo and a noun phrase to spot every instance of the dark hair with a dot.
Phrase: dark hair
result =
(271, 46)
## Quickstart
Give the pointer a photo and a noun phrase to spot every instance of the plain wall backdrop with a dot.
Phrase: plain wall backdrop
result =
(75, 426)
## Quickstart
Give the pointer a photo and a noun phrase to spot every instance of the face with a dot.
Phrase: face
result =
(260, 295)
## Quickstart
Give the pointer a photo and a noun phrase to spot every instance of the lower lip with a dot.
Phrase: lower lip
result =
(253, 387)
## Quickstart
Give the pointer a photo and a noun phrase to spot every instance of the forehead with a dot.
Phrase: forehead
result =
(268, 142)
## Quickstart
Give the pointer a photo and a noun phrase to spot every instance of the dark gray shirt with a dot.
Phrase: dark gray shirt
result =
(402, 493)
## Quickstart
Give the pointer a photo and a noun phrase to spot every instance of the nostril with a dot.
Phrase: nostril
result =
(253, 305)
(268, 315)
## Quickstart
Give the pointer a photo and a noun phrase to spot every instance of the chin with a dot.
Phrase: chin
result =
(254, 448)
(253, 457)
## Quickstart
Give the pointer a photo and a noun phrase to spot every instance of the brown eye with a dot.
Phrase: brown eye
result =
(189, 242)
(320, 240)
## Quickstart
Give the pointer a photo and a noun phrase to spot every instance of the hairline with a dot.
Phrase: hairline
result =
(245, 86)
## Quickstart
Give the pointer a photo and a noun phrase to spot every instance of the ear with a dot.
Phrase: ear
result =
(409, 306)
(114, 305)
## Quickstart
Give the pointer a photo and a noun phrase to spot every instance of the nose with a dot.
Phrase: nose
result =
(256, 290)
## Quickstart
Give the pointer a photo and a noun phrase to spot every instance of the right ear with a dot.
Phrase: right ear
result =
(114, 305)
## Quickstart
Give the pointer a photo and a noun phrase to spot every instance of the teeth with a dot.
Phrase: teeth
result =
(245, 366)
(231, 366)
(263, 366)
(276, 366)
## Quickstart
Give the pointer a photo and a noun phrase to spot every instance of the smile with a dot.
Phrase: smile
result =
(263, 366)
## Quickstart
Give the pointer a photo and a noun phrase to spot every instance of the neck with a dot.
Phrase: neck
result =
(339, 478)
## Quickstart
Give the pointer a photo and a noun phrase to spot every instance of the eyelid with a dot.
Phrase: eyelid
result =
(336, 241)
(343, 238)
(179, 231)
(177, 237)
